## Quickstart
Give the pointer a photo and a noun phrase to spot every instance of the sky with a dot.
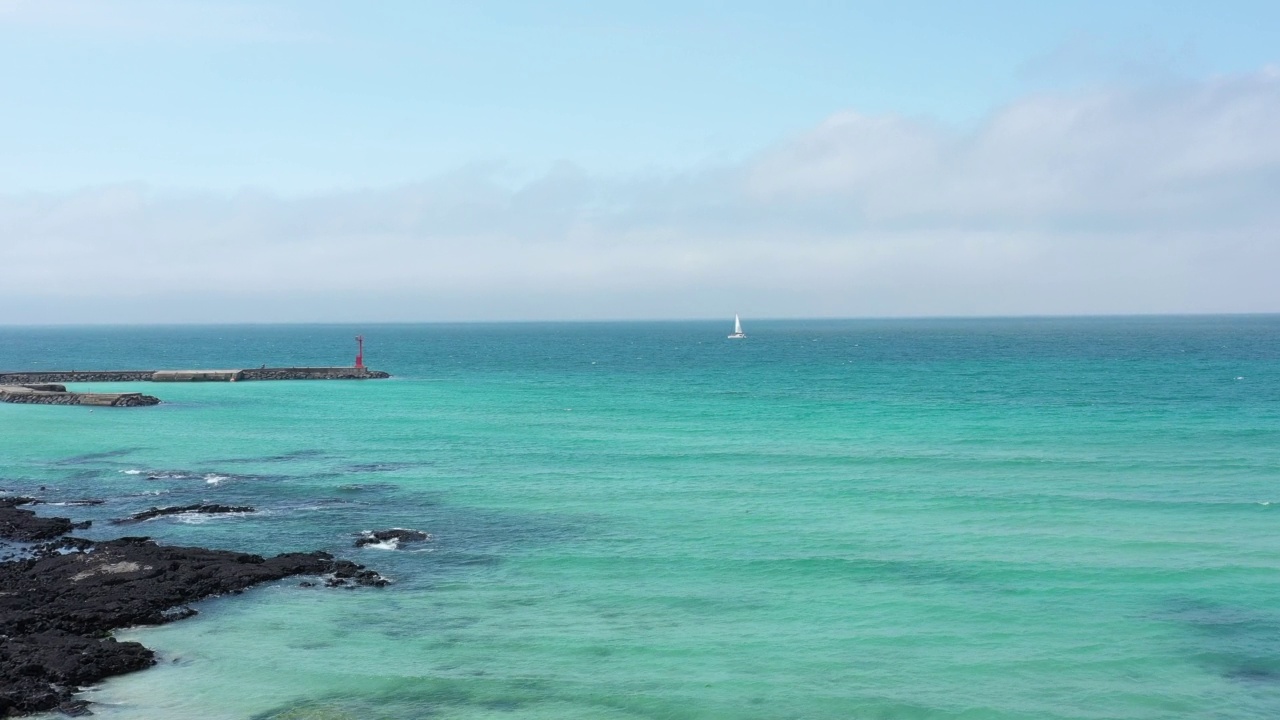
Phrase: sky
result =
(324, 160)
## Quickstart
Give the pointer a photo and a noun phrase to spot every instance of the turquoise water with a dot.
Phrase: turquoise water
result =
(1066, 518)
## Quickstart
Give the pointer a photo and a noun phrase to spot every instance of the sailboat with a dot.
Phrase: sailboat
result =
(737, 329)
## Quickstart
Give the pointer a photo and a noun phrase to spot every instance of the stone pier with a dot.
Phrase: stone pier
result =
(58, 395)
(234, 375)
(45, 387)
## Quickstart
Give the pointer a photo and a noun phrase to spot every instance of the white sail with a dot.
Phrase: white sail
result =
(737, 329)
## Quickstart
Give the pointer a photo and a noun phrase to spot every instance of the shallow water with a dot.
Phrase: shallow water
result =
(1067, 518)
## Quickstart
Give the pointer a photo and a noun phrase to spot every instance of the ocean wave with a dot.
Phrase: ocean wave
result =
(325, 504)
(195, 518)
(367, 487)
(167, 475)
(211, 478)
(384, 466)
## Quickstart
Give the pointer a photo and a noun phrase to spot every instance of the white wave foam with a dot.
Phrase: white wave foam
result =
(131, 472)
(214, 478)
(202, 518)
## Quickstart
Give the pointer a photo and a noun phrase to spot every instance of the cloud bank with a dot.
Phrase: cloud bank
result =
(1118, 201)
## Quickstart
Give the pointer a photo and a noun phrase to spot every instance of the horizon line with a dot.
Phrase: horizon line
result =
(582, 321)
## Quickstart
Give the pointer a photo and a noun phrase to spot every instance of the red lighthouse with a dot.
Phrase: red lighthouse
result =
(360, 351)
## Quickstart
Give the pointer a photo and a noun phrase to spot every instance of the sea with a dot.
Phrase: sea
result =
(1031, 518)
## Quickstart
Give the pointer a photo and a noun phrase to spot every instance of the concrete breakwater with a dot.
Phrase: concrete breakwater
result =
(45, 388)
(33, 378)
(235, 375)
(58, 395)
(313, 373)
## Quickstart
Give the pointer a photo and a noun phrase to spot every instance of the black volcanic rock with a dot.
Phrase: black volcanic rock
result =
(133, 581)
(36, 667)
(58, 607)
(24, 526)
(398, 535)
(155, 512)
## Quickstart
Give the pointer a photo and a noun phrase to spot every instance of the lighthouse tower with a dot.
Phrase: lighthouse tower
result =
(359, 352)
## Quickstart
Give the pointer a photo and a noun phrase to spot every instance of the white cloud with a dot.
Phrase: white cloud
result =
(1142, 156)
(1136, 201)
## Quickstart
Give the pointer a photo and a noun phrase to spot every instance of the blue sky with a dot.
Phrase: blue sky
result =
(640, 124)
(312, 95)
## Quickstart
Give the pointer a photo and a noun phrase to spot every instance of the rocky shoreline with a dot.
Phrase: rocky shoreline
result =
(60, 601)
